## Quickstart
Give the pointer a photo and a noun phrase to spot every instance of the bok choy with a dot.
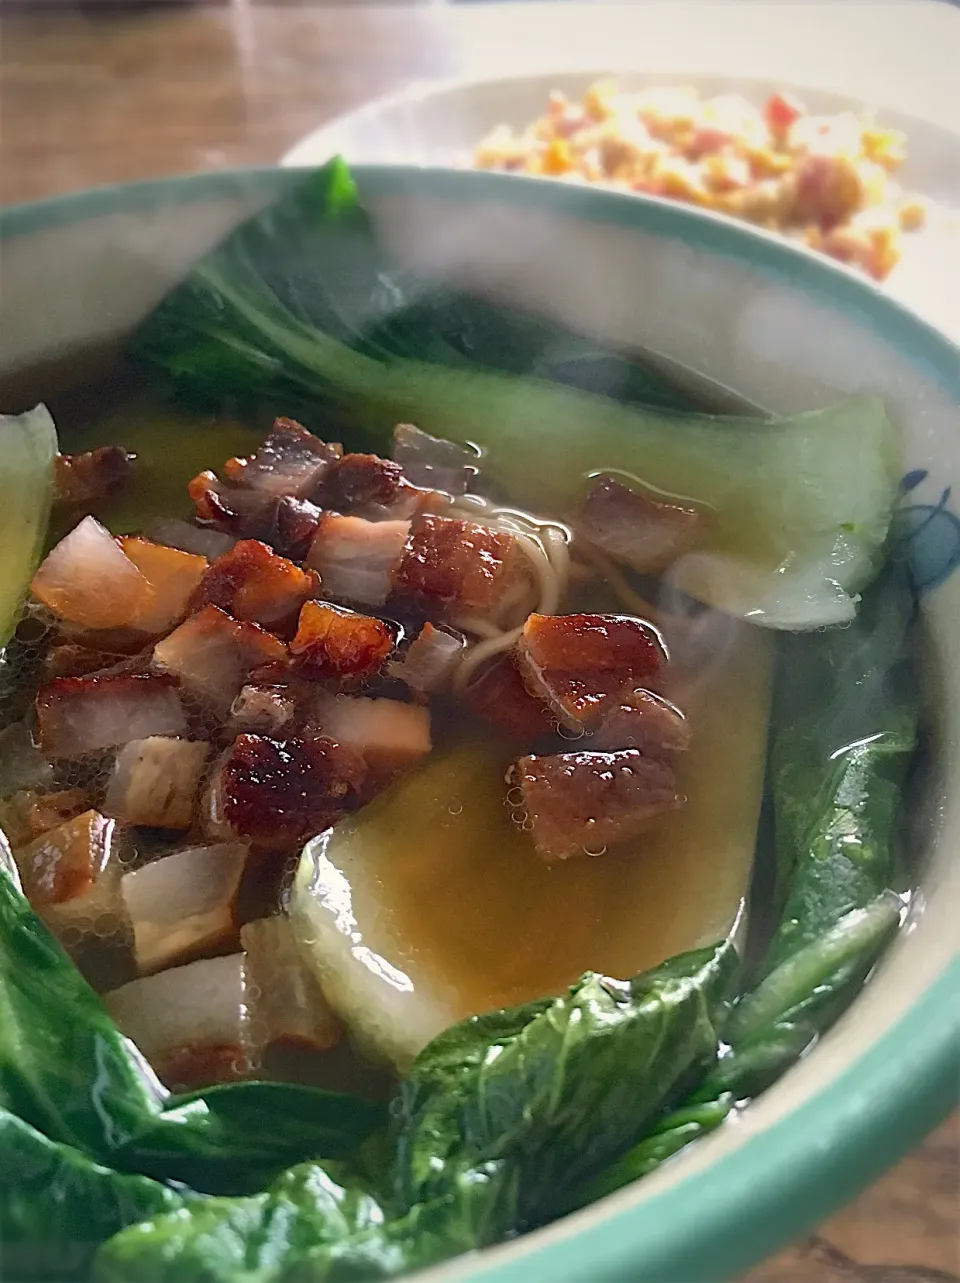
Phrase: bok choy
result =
(28, 444)
(298, 312)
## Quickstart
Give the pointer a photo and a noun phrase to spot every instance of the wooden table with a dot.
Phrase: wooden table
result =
(110, 94)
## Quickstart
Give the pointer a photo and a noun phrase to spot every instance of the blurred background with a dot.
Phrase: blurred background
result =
(98, 92)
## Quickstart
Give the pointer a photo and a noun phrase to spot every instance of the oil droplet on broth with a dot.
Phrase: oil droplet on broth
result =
(455, 899)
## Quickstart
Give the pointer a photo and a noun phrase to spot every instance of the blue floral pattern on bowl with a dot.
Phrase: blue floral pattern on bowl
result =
(928, 534)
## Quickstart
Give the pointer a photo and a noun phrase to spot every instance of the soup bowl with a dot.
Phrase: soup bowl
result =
(758, 321)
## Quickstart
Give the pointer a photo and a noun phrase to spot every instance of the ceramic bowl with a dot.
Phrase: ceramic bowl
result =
(784, 330)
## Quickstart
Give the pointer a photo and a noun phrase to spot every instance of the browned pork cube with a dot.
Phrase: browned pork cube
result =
(645, 721)
(276, 793)
(79, 715)
(66, 860)
(430, 660)
(499, 696)
(212, 655)
(262, 710)
(644, 532)
(83, 480)
(457, 567)
(155, 781)
(183, 906)
(251, 582)
(356, 558)
(190, 1022)
(338, 644)
(582, 803)
(578, 664)
(173, 575)
(390, 736)
(291, 461)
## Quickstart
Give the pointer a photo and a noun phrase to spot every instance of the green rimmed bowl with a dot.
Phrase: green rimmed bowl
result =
(775, 326)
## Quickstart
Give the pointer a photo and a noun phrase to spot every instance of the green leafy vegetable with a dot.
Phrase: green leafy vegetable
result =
(28, 443)
(558, 1095)
(57, 1206)
(297, 311)
(236, 1138)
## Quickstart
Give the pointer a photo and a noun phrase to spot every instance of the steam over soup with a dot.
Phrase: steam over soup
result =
(422, 756)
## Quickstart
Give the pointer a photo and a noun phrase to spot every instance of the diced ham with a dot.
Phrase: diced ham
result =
(581, 803)
(183, 906)
(499, 696)
(645, 533)
(251, 582)
(457, 566)
(579, 664)
(262, 710)
(156, 781)
(173, 575)
(355, 558)
(212, 654)
(286, 1002)
(83, 480)
(336, 643)
(173, 532)
(431, 462)
(88, 580)
(190, 1022)
(291, 461)
(645, 721)
(276, 793)
(390, 736)
(65, 861)
(79, 715)
(430, 660)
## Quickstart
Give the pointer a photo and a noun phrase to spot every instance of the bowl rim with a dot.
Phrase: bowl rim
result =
(722, 1218)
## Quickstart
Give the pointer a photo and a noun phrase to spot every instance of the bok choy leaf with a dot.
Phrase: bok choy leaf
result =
(298, 312)
(28, 444)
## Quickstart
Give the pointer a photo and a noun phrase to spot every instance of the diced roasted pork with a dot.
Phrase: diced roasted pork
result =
(203, 541)
(190, 1022)
(84, 480)
(498, 695)
(636, 528)
(276, 793)
(431, 462)
(645, 721)
(183, 906)
(262, 710)
(27, 814)
(581, 803)
(355, 558)
(287, 524)
(71, 659)
(212, 654)
(88, 580)
(579, 664)
(64, 862)
(430, 660)
(80, 715)
(364, 485)
(291, 461)
(456, 566)
(390, 736)
(338, 644)
(287, 1006)
(173, 575)
(251, 582)
(156, 781)
(48, 810)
